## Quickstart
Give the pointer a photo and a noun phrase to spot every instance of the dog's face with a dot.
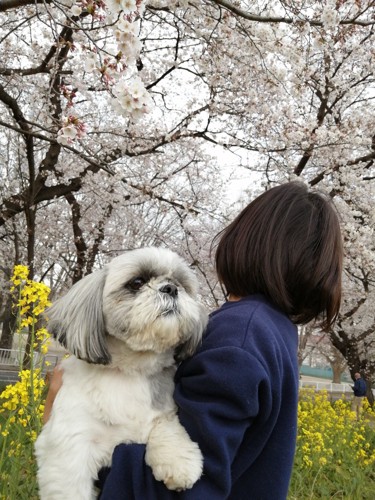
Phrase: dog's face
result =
(149, 300)
(145, 298)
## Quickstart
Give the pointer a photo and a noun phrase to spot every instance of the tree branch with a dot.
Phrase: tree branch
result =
(14, 4)
(12, 104)
(366, 158)
(285, 20)
(16, 204)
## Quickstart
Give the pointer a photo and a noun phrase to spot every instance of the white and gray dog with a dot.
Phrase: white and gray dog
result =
(124, 326)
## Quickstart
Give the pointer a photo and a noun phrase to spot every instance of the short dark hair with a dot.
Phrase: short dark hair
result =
(287, 245)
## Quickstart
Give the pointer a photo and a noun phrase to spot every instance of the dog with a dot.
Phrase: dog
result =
(125, 326)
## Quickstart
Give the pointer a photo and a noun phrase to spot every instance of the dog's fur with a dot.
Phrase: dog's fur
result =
(124, 326)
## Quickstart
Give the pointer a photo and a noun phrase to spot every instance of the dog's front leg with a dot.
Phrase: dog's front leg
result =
(173, 457)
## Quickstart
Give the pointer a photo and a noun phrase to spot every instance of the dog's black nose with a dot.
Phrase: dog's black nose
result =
(170, 290)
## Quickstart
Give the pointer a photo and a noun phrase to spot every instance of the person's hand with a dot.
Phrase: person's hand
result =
(54, 386)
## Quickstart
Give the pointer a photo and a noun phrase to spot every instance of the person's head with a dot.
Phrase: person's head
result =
(357, 376)
(286, 244)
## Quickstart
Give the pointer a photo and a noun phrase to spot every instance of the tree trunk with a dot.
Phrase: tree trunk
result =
(30, 219)
(9, 325)
(337, 371)
(369, 393)
(356, 363)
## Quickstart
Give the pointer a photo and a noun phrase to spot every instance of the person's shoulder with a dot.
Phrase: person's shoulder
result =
(250, 319)
(247, 306)
(254, 309)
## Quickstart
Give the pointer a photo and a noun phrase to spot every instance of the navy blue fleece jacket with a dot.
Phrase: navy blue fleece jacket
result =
(237, 398)
(359, 387)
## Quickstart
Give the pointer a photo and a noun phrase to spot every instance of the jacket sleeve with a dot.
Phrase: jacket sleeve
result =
(217, 394)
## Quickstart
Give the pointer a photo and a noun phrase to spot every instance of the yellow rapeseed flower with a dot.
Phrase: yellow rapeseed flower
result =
(16, 397)
(327, 432)
(22, 404)
(20, 273)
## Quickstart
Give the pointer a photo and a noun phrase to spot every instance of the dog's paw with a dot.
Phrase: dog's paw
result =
(178, 467)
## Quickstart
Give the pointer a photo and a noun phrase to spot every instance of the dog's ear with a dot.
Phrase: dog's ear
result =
(198, 326)
(76, 320)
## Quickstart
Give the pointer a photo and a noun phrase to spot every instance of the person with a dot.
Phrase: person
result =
(54, 382)
(359, 389)
(280, 263)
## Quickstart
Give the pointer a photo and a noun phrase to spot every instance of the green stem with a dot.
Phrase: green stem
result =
(4, 447)
(32, 363)
(18, 323)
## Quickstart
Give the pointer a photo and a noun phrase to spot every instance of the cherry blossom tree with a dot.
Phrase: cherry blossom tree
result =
(117, 114)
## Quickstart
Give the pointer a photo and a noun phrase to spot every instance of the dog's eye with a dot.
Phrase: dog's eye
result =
(136, 283)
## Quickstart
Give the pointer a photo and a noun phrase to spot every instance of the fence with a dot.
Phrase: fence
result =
(335, 391)
(11, 361)
(327, 386)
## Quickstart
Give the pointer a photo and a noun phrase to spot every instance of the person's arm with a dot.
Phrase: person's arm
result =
(54, 386)
(217, 396)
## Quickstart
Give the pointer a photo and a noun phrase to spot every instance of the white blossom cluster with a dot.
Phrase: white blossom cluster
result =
(121, 19)
(73, 129)
(131, 97)
(330, 15)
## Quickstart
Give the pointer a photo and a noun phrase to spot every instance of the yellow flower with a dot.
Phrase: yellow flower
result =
(327, 433)
(361, 454)
(44, 347)
(33, 435)
(20, 273)
(22, 404)
(307, 462)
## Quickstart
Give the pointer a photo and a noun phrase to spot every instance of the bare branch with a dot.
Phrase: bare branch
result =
(14, 4)
(285, 20)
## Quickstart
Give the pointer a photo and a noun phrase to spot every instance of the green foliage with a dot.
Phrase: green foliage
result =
(22, 403)
(18, 464)
(335, 454)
